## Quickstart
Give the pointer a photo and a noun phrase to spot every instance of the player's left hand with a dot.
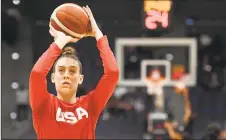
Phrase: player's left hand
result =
(93, 29)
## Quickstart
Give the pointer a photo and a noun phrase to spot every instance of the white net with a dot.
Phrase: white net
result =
(156, 88)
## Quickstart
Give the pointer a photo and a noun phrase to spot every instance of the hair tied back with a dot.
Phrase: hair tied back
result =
(69, 51)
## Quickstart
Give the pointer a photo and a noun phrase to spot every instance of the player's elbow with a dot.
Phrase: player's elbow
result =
(33, 75)
(114, 73)
(35, 71)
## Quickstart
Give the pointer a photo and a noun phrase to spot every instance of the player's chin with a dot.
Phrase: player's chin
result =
(66, 90)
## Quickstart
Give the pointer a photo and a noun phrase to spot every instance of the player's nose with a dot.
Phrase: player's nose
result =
(66, 75)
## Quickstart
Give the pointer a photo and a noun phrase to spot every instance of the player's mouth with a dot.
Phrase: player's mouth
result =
(66, 83)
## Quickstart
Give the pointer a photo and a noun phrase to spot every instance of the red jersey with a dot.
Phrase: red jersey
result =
(56, 119)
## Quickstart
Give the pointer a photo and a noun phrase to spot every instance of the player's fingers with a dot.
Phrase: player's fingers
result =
(87, 11)
(52, 29)
(84, 8)
(50, 26)
(51, 33)
(90, 12)
(91, 18)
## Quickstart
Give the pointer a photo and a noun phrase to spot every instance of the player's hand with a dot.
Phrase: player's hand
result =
(60, 38)
(93, 29)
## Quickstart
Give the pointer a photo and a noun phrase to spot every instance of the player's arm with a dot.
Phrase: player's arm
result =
(109, 79)
(187, 103)
(172, 133)
(101, 94)
(38, 83)
(38, 94)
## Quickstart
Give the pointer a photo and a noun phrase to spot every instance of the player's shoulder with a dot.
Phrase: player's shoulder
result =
(84, 97)
(53, 98)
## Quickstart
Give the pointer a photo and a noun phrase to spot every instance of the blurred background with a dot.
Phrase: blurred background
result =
(164, 39)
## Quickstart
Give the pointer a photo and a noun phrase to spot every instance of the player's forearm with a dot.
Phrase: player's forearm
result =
(188, 111)
(37, 82)
(109, 79)
(111, 70)
(187, 100)
(187, 104)
(45, 62)
(38, 93)
(173, 134)
(108, 60)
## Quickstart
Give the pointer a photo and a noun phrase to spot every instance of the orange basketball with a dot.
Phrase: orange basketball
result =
(71, 19)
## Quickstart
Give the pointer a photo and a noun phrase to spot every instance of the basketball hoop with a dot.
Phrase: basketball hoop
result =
(155, 83)
(154, 87)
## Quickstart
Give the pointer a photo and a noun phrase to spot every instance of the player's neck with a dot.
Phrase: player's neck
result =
(67, 99)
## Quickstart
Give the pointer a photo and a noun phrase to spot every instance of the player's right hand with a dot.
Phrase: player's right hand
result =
(60, 38)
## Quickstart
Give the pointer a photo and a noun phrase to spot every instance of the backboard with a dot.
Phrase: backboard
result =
(136, 55)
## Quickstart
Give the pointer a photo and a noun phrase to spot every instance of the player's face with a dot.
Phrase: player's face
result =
(67, 76)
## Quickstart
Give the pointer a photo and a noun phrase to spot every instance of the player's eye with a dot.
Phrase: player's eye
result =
(72, 71)
(61, 70)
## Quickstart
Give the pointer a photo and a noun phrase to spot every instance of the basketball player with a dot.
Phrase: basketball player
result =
(188, 118)
(64, 116)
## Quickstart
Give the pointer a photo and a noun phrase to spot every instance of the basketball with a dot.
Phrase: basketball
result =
(71, 19)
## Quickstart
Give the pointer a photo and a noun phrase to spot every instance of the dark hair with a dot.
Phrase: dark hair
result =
(213, 131)
(69, 52)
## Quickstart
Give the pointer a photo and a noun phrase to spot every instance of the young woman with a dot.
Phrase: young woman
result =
(64, 116)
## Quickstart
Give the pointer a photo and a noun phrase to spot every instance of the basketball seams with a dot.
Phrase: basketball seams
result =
(54, 17)
(73, 5)
(69, 14)
(62, 26)
(63, 12)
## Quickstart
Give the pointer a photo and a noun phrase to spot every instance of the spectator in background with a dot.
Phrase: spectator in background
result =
(172, 129)
(223, 134)
(176, 133)
(214, 131)
(22, 105)
(119, 108)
